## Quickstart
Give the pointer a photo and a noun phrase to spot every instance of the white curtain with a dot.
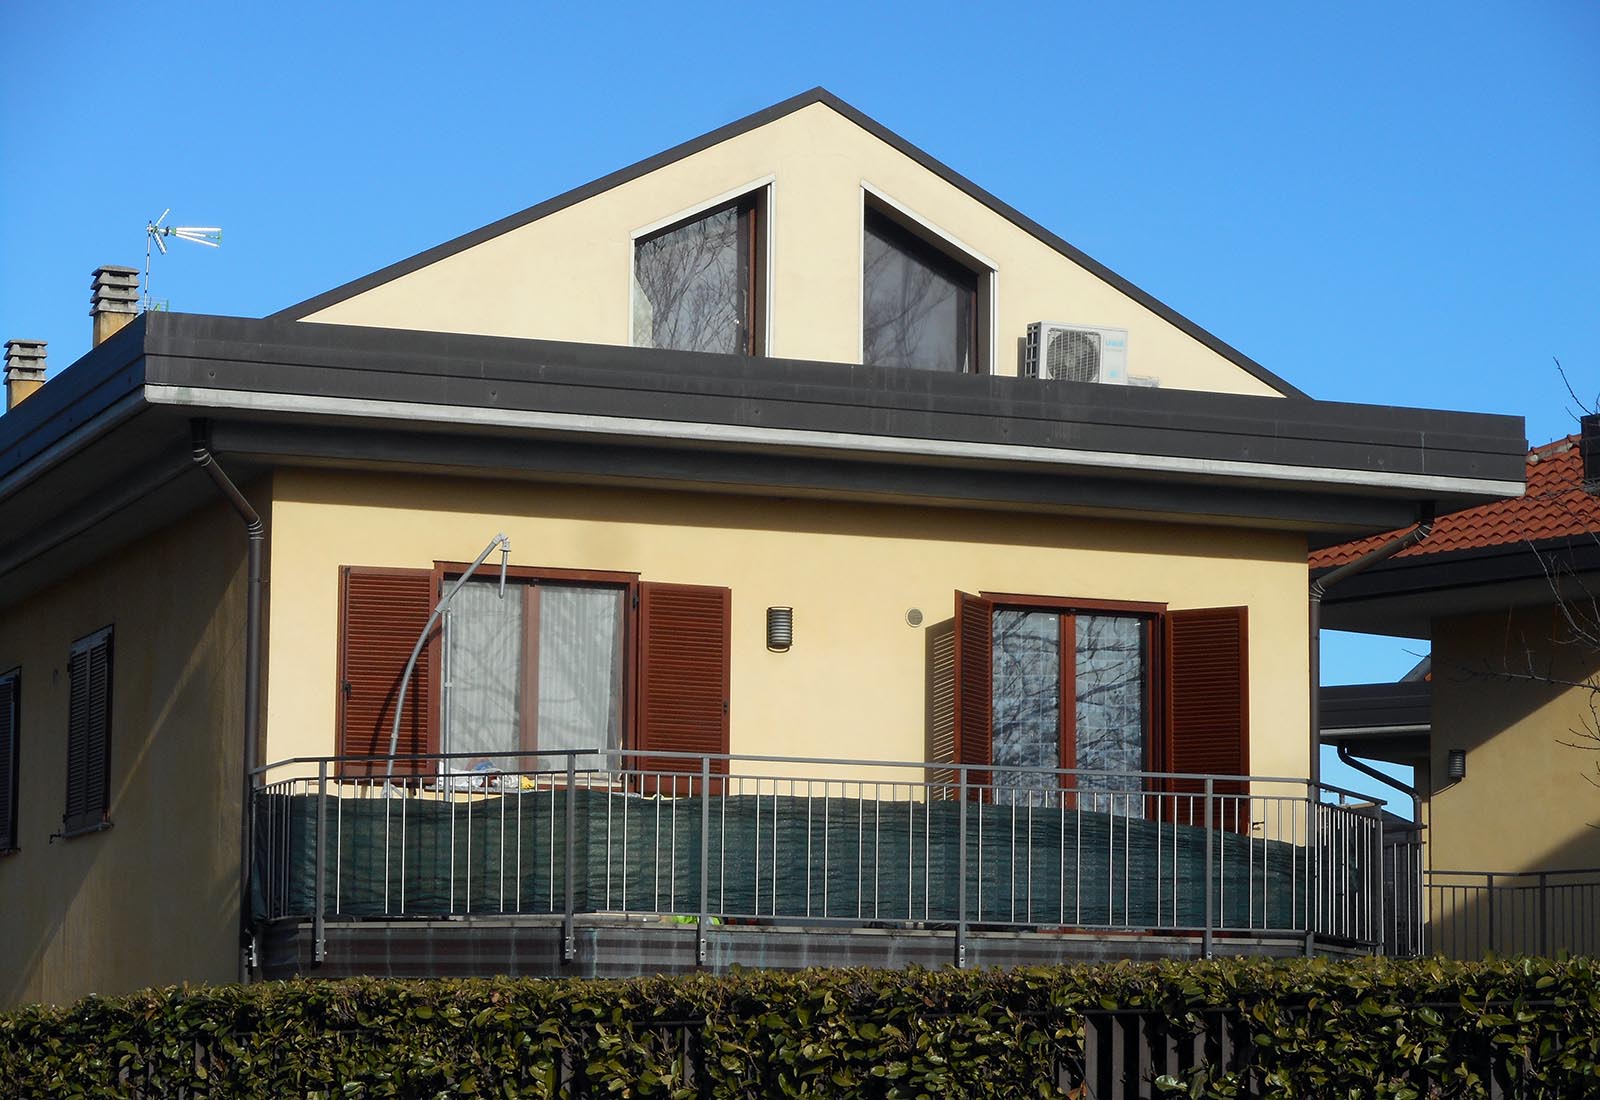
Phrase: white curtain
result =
(483, 672)
(580, 669)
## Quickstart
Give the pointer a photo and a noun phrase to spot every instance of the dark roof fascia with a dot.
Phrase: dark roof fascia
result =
(1390, 707)
(754, 121)
(1452, 570)
(104, 378)
(452, 370)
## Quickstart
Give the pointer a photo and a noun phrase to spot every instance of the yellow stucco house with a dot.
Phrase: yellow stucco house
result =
(778, 552)
(1500, 723)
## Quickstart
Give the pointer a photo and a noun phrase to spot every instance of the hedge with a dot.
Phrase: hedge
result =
(1378, 1028)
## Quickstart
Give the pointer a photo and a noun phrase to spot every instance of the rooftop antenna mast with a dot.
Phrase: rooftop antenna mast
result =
(156, 233)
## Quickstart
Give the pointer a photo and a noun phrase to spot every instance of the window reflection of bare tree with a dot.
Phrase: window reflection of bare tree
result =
(692, 279)
(902, 297)
(1108, 720)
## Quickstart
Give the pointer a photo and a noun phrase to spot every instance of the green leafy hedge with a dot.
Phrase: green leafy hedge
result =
(1373, 1028)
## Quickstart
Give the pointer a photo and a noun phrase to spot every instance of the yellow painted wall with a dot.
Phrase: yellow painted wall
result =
(154, 899)
(855, 683)
(567, 276)
(1527, 802)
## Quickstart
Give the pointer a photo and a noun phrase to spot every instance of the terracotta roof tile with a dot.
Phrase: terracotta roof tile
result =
(1554, 506)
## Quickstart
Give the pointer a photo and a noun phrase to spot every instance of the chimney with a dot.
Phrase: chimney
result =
(24, 370)
(1589, 444)
(115, 300)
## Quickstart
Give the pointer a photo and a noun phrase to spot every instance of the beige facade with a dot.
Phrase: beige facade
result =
(154, 898)
(568, 275)
(856, 682)
(1500, 693)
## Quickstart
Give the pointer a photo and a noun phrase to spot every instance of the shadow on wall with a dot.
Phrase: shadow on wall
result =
(1469, 915)
(675, 508)
(154, 899)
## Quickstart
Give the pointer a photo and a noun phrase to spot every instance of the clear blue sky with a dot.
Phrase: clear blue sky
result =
(1392, 203)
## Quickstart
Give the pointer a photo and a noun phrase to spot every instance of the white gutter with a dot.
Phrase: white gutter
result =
(695, 432)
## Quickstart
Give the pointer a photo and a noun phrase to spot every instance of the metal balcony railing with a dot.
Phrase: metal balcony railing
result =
(811, 842)
(1472, 913)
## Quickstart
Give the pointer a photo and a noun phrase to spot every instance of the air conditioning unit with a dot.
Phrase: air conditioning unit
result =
(1076, 353)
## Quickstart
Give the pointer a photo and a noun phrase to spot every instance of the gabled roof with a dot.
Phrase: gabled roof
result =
(1555, 506)
(744, 125)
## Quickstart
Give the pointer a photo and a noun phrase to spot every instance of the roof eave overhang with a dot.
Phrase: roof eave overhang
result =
(283, 393)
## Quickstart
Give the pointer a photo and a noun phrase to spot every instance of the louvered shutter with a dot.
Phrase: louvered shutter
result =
(383, 612)
(10, 713)
(88, 734)
(684, 655)
(1207, 708)
(974, 703)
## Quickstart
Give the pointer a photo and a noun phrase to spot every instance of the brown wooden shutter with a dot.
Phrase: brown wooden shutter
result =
(88, 734)
(974, 684)
(382, 612)
(684, 656)
(10, 713)
(1208, 707)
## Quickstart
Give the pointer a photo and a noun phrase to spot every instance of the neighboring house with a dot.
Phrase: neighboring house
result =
(1506, 592)
(979, 618)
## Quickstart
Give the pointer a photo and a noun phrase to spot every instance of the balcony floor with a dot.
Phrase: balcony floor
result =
(610, 947)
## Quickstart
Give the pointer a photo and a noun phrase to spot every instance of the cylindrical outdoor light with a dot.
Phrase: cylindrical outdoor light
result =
(780, 628)
(1455, 766)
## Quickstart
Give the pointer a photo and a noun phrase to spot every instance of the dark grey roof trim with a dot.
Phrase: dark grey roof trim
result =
(1553, 560)
(723, 400)
(732, 403)
(742, 126)
(1403, 707)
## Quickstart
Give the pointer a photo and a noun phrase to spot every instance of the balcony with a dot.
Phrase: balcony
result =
(584, 863)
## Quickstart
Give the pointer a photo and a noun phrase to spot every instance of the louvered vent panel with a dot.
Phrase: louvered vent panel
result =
(88, 734)
(974, 684)
(683, 675)
(384, 614)
(9, 715)
(1208, 703)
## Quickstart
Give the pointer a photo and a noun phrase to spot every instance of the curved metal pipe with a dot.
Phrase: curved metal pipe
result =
(439, 609)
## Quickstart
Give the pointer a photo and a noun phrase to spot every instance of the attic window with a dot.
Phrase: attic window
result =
(925, 304)
(699, 284)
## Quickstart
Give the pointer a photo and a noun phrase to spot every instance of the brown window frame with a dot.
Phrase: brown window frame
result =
(527, 577)
(939, 252)
(752, 208)
(12, 752)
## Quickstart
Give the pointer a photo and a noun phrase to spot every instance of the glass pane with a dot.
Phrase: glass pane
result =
(1110, 711)
(918, 304)
(1027, 702)
(483, 698)
(580, 670)
(690, 286)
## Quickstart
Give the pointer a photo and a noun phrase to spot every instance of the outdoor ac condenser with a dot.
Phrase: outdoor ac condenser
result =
(1076, 353)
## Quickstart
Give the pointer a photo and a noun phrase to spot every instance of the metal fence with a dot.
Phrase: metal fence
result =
(1471, 913)
(816, 842)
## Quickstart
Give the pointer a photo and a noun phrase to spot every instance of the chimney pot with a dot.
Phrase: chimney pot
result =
(24, 370)
(114, 300)
(1589, 446)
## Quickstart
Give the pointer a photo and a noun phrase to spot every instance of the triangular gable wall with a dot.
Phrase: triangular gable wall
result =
(562, 269)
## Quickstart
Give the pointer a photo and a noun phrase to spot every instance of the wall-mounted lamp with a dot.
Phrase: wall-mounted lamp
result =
(780, 628)
(1455, 765)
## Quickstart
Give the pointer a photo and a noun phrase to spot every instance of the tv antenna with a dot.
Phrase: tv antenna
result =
(157, 232)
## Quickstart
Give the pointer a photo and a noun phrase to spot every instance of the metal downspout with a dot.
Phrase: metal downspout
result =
(1315, 591)
(255, 531)
(1388, 780)
(1318, 588)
